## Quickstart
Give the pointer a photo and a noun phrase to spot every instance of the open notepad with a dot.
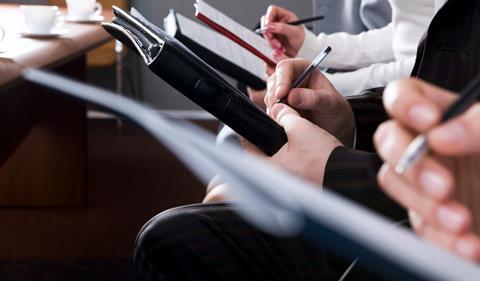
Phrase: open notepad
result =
(217, 50)
(235, 31)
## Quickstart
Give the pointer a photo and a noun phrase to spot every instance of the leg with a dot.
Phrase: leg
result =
(210, 242)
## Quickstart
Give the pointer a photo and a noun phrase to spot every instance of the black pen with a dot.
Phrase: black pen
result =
(298, 22)
(311, 68)
(419, 147)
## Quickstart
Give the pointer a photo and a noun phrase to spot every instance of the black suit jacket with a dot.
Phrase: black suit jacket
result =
(448, 56)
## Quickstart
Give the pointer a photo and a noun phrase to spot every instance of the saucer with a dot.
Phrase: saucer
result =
(91, 19)
(54, 33)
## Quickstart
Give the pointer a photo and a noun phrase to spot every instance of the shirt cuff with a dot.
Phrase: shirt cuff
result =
(310, 48)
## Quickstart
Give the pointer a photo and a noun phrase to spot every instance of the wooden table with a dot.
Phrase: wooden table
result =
(43, 135)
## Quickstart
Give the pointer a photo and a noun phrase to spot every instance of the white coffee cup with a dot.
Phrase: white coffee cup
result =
(40, 19)
(84, 9)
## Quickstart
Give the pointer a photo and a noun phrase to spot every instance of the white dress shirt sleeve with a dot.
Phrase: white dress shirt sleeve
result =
(350, 51)
(376, 75)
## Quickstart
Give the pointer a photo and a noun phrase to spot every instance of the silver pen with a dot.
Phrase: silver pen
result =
(311, 68)
(419, 147)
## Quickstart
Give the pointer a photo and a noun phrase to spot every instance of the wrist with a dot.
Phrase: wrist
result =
(309, 49)
(320, 163)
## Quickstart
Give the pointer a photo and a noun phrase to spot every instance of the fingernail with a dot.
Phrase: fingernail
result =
(468, 248)
(277, 52)
(276, 110)
(387, 143)
(450, 219)
(434, 184)
(271, 27)
(423, 116)
(415, 218)
(278, 46)
(380, 134)
(278, 90)
(452, 133)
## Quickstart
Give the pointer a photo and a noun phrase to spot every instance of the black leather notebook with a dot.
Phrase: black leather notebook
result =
(177, 65)
(217, 50)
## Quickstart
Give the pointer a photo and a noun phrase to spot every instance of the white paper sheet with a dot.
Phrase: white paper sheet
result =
(234, 27)
(216, 43)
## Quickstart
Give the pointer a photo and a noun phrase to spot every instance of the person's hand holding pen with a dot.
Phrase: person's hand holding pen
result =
(316, 99)
(427, 186)
(285, 39)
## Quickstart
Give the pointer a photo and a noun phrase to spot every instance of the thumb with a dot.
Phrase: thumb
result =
(286, 116)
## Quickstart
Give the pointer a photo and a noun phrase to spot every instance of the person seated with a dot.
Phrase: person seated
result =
(343, 16)
(371, 59)
(438, 189)
(210, 242)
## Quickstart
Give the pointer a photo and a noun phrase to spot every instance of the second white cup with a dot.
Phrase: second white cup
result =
(83, 9)
(40, 19)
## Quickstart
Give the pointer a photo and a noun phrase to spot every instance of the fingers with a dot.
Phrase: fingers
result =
(416, 104)
(284, 29)
(218, 194)
(468, 246)
(278, 14)
(428, 175)
(280, 83)
(270, 99)
(216, 181)
(450, 216)
(286, 116)
(465, 245)
(279, 55)
(459, 136)
(308, 99)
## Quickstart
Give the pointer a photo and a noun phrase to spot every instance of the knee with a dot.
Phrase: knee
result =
(162, 231)
(160, 241)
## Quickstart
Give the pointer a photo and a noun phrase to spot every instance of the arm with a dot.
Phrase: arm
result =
(350, 51)
(373, 76)
(310, 152)
(353, 174)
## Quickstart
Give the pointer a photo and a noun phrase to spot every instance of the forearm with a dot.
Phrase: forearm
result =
(374, 76)
(350, 51)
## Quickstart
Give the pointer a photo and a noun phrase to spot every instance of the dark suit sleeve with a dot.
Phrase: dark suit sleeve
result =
(353, 173)
(369, 114)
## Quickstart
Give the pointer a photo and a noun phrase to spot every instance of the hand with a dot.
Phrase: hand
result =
(427, 187)
(306, 153)
(286, 40)
(308, 148)
(217, 191)
(258, 97)
(318, 102)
